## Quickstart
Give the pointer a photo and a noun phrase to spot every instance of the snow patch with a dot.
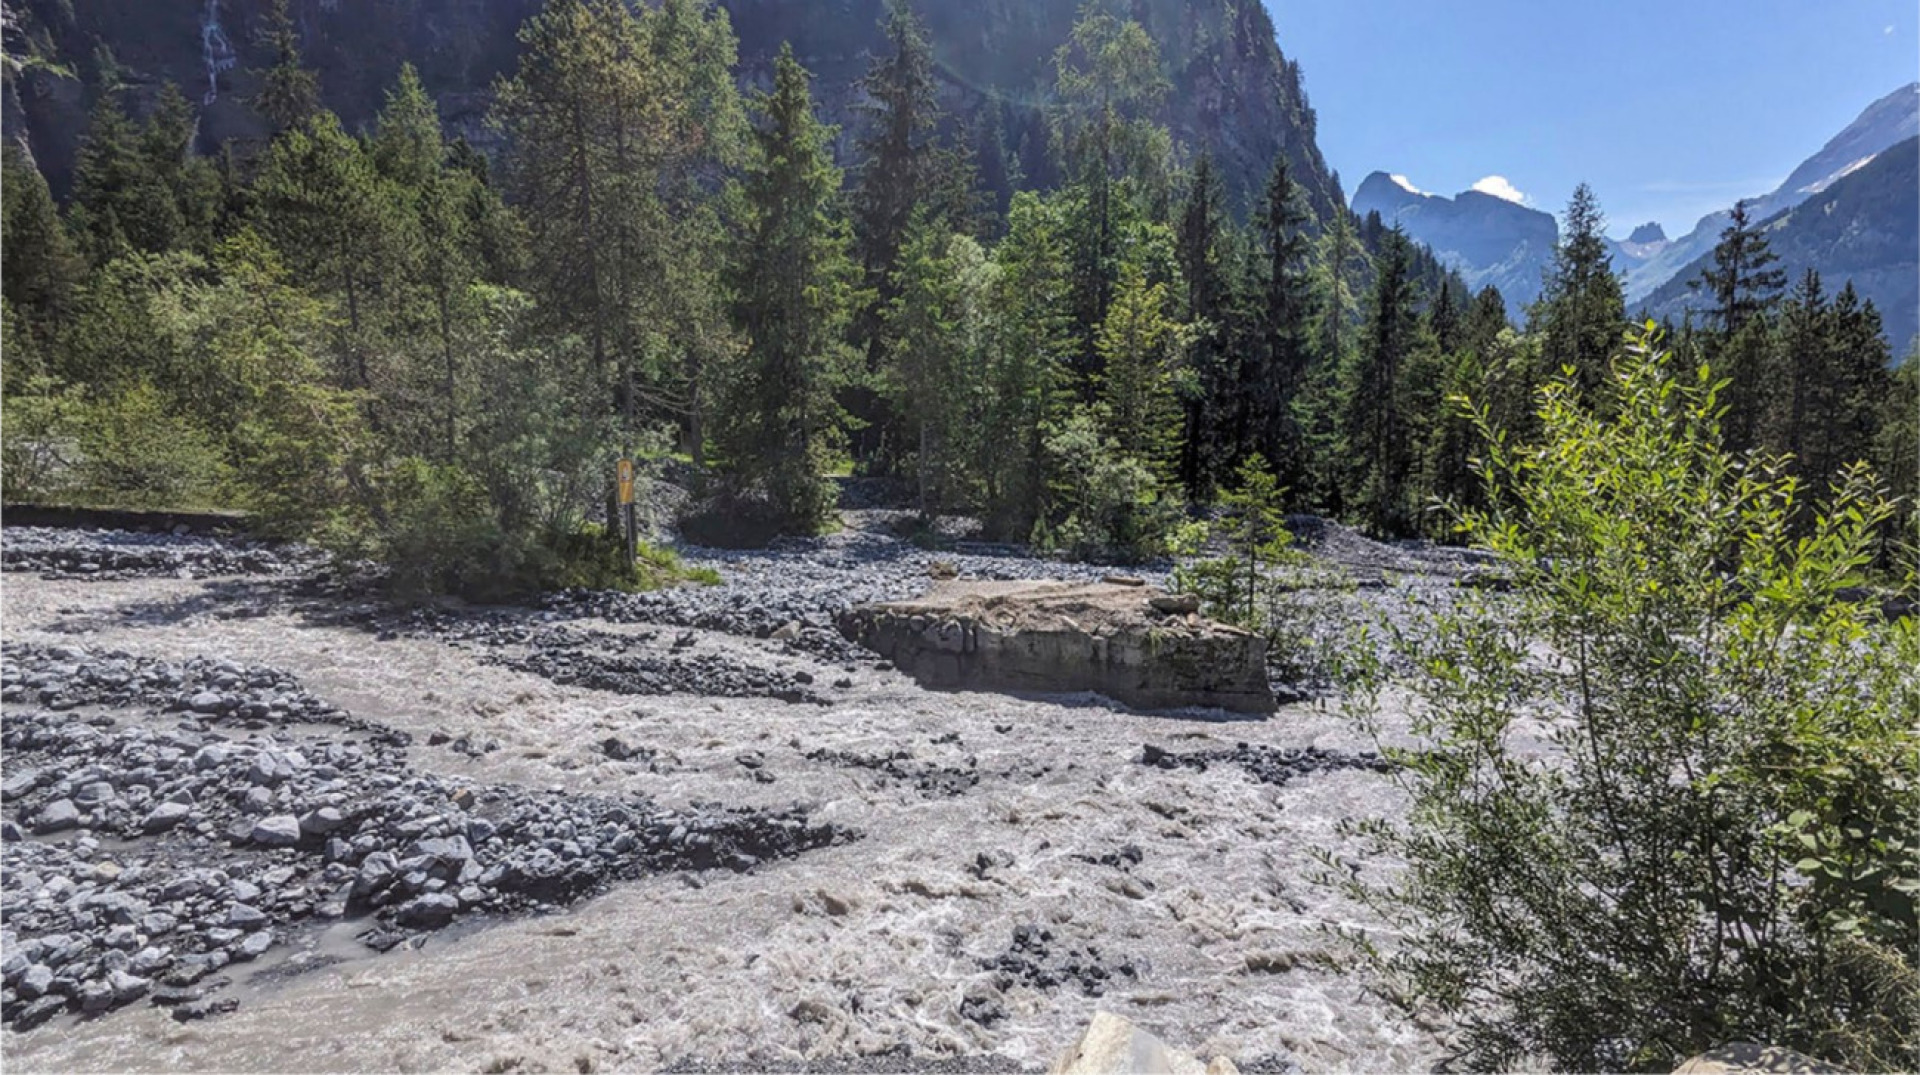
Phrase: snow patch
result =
(1815, 188)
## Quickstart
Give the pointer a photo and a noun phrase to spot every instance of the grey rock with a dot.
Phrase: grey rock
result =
(57, 816)
(430, 911)
(166, 816)
(279, 830)
(243, 916)
(36, 981)
(254, 945)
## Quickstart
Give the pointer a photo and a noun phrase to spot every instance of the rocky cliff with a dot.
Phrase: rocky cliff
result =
(1235, 94)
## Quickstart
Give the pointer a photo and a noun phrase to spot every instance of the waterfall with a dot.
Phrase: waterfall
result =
(215, 47)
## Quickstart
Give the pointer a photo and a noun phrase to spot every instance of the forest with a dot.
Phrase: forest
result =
(387, 343)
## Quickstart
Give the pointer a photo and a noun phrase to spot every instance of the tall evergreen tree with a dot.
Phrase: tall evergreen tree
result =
(1215, 413)
(1139, 346)
(42, 269)
(935, 323)
(341, 227)
(1582, 314)
(289, 92)
(896, 177)
(790, 286)
(1285, 350)
(1029, 344)
(1379, 427)
(1109, 85)
(1742, 281)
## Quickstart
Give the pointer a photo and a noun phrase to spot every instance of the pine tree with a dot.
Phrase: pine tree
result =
(1740, 282)
(340, 226)
(935, 325)
(790, 285)
(1109, 85)
(1029, 344)
(1139, 345)
(1379, 427)
(41, 267)
(1214, 407)
(1285, 353)
(289, 92)
(1582, 314)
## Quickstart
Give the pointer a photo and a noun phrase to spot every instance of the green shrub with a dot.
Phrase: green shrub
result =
(1109, 505)
(1717, 841)
(133, 451)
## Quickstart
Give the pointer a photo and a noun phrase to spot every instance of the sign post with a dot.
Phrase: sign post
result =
(628, 521)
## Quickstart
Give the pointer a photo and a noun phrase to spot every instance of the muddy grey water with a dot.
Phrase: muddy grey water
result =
(1017, 865)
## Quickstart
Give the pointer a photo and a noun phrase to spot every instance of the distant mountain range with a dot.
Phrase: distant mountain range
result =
(1863, 227)
(1488, 239)
(1491, 240)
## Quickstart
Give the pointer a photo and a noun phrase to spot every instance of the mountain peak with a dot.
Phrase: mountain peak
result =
(1650, 232)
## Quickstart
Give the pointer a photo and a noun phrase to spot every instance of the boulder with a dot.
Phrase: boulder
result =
(1113, 1046)
(1747, 1058)
(1133, 644)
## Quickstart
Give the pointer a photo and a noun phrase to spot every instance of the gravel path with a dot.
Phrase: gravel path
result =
(892, 878)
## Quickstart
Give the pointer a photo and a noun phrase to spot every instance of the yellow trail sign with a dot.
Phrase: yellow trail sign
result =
(626, 481)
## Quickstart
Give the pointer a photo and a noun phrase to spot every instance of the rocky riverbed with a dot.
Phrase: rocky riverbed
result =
(693, 830)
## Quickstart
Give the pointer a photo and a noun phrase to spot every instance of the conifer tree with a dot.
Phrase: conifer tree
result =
(1582, 314)
(1379, 426)
(1029, 344)
(341, 227)
(42, 269)
(1285, 352)
(1215, 412)
(1486, 318)
(1139, 346)
(935, 325)
(790, 285)
(1741, 281)
(897, 157)
(1109, 85)
(289, 92)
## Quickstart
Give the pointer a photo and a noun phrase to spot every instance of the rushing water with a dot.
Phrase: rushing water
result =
(846, 951)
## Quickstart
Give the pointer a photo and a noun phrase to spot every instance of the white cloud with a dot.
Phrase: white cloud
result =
(1498, 186)
(1407, 185)
(1888, 32)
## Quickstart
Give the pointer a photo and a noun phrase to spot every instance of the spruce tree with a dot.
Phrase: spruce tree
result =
(935, 323)
(1274, 386)
(1109, 86)
(1742, 282)
(897, 172)
(1582, 314)
(42, 269)
(790, 287)
(1214, 406)
(1139, 345)
(1029, 345)
(289, 92)
(1379, 428)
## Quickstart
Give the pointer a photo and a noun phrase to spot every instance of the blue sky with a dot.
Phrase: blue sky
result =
(1669, 109)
